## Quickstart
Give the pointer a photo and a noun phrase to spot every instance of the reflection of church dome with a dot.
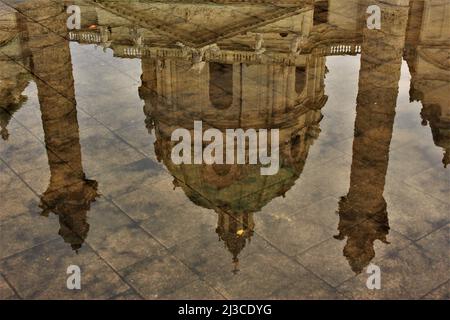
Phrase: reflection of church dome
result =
(229, 187)
(234, 191)
(259, 97)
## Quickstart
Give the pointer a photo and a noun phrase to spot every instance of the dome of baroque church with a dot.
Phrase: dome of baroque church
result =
(239, 188)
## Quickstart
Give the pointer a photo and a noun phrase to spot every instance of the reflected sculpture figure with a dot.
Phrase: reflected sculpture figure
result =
(363, 216)
(176, 96)
(69, 194)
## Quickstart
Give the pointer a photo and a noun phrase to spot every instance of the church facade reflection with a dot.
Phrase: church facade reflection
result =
(259, 74)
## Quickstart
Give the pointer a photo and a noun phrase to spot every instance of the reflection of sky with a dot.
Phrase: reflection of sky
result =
(341, 86)
(408, 127)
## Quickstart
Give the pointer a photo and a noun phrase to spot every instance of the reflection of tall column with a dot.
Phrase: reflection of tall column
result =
(69, 193)
(363, 213)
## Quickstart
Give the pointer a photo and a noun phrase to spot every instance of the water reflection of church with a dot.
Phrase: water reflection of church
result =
(256, 69)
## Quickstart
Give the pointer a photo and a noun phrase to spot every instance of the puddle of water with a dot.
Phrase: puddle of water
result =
(87, 153)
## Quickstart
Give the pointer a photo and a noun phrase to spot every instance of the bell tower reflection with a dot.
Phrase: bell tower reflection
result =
(363, 216)
(69, 194)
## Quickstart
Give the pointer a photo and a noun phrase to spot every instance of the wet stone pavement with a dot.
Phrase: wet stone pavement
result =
(87, 114)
